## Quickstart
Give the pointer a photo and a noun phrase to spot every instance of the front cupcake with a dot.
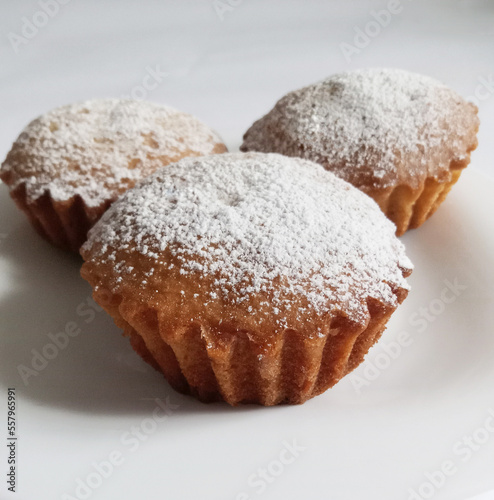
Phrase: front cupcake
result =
(400, 137)
(249, 278)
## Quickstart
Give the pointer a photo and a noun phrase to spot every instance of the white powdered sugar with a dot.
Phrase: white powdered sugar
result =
(361, 124)
(254, 221)
(97, 148)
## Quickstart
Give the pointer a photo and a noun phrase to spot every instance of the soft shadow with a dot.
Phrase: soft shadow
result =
(97, 372)
(456, 244)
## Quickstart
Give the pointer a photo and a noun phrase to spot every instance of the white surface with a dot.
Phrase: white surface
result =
(374, 444)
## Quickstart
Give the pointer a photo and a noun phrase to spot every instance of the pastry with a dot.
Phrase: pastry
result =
(248, 278)
(68, 166)
(400, 137)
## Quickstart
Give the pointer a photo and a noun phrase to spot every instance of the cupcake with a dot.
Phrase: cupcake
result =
(400, 137)
(69, 165)
(248, 278)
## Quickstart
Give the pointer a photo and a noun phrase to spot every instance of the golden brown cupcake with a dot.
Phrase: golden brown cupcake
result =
(400, 137)
(68, 166)
(249, 278)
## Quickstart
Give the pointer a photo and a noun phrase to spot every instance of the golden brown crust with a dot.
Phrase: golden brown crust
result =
(231, 365)
(409, 208)
(63, 223)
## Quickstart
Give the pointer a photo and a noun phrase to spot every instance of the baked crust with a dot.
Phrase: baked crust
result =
(239, 365)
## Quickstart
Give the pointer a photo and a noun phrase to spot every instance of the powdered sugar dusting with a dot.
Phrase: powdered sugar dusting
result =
(361, 124)
(98, 148)
(253, 220)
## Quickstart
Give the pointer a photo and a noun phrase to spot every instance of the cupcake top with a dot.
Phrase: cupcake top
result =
(249, 234)
(97, 149)
(372, 127)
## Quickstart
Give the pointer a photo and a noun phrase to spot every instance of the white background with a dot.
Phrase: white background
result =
(228, 68)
